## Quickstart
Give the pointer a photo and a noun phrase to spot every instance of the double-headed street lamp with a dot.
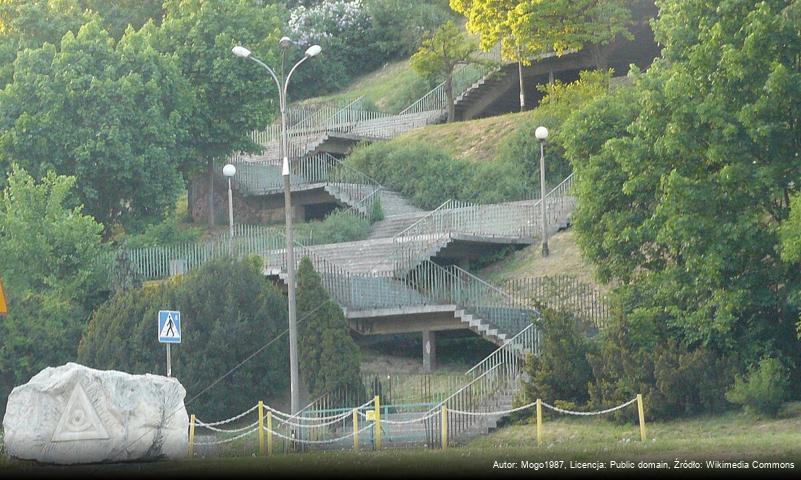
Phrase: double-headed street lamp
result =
(312, 51)
(542, 133)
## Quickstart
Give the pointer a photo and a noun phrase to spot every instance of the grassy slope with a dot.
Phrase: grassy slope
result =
(379, 86)
(732, 436)
(565, 258)
(475, 140)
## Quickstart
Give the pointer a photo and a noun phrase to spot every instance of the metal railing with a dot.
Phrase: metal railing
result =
(512, 219)
(463, 79)
(350, 186)
(564, 293)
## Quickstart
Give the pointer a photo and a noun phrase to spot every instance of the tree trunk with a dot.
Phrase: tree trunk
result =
(522, 86)
(210, 171)
(449, 95)
(599, 58)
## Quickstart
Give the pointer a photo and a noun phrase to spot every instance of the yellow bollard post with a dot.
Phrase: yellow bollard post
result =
(261, 428)
(539, 422)
(191, 435)
(444, 427)
(269, 433)
(377, 423)
(641, 411)
(355, 430)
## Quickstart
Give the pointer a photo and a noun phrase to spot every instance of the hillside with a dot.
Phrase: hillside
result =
(564, 259)
(474, 140)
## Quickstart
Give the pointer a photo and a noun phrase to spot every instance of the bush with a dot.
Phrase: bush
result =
(428, 175)
(764, 390)
(638, 354)
(562, 371)
(228, 311)
(166, 233)
(339, 226)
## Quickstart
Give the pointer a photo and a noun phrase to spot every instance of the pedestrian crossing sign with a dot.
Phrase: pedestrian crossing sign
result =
(169, 326)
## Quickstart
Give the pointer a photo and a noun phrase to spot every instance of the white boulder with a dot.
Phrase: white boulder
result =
(75, 414)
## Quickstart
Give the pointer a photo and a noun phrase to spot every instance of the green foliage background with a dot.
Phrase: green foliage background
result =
(228, 311)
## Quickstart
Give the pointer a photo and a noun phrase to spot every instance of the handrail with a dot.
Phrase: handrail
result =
(511, 341)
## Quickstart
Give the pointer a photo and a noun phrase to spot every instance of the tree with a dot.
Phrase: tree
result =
(685, 177)
(54, 271)
(32, 23)
(233, 96)
(527, 28)
(440, 53)
(112, 114)
(229, 311)
(329, 358)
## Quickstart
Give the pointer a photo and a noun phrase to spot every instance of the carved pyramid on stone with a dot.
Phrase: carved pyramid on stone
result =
(80, 420)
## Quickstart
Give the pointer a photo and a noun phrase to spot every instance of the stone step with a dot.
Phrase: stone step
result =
(392, 225)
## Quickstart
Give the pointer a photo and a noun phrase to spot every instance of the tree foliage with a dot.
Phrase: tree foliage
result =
(526, 28)
(111, 114)
(440, 53)
(329, 358)
(228, 312)
(52, 264)
(685, 176)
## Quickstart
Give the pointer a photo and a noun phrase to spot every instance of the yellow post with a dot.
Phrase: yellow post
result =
(269, 433)
(261, 428)
(539, 422)
(641, 411)
(444, 427)
(191, 436)
(355, 430)
(377, 423)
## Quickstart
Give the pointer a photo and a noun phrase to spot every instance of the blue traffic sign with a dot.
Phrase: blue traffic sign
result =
(169, 326)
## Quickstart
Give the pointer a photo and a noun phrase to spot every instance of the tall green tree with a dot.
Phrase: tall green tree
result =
(229, 311)
(52, 263)
(233, 96)
(684, 180)
(114, 115)
(32, 23)
(329, 358)
(440, 53)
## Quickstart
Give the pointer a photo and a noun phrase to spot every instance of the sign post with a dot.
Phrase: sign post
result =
(169, 332)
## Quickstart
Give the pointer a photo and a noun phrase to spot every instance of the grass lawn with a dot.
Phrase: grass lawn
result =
(564, 259)
(732, 436)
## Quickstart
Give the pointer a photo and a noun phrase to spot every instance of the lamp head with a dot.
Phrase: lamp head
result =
(285, 42)
(541, 133)
(313, 51)
(229, 170)
(241, 51)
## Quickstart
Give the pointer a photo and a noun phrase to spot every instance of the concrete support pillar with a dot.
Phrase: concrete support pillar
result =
(429, 351)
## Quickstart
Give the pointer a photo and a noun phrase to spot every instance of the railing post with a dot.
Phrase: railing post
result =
(641, 411)
(355, 430)
(269, 433)
(261, 428)
(377, 423)
(444, 427)
(191, 436)
(539, 422)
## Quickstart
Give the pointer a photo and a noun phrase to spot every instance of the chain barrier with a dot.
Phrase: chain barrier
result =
(229, 420)
(288, 416)
(532, 404)
(199, 423)
(426, 415)
(598, 412)
(227, 440)
(331, 440)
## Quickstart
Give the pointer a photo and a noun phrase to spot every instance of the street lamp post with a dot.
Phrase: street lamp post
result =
(542, 133)
(312, 51)
(229, 171)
